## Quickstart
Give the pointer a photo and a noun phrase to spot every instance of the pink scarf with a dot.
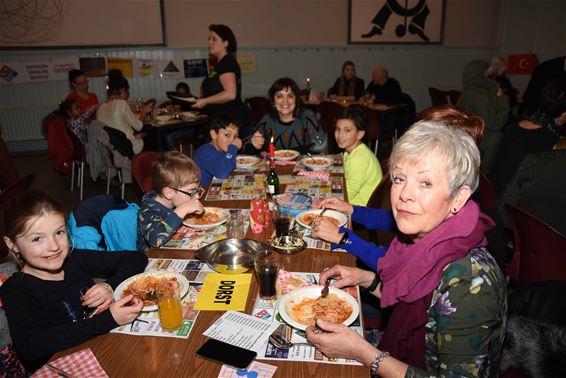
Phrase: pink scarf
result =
(411, 271)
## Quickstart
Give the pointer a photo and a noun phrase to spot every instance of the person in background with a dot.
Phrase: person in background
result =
(496, 71)
(75, 121)
(218, 158)
(384, 89)
(362, 171)
(288, 122)
(183, 90)
(447, 295)
(455, 117)
(348, 84)
(79, 92)
(222, 89)
(546, 71)
(540, 132)
(53, 303)
(176, 193)
(539, 186)
(484, 97)
(117, 114)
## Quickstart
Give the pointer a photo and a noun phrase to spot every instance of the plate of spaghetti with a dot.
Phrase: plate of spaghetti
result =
(210, 218)
(286, 155)
(301, 307)
(144, 286)
(306, 218)
(318, 163)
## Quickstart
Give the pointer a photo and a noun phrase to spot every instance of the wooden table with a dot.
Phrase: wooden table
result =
(144, 356)
(155, 130)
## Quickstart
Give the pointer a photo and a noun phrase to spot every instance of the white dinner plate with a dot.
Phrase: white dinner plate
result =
(223, 213)
(189, 115)
(317, 163)
(286, 155)
(294, 297)
(163, 118)
(182, 280)
(329, 213)
(246, 161)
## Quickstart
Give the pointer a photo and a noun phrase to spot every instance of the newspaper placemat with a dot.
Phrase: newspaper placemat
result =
(237, 187)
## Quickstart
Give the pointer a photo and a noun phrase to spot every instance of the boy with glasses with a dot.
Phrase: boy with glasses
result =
(175, 194)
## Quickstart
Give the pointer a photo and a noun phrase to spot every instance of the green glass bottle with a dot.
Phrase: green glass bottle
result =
(273, 180)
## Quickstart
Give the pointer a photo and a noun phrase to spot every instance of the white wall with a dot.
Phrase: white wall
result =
(526, 26)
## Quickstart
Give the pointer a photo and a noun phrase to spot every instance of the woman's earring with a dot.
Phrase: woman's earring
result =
(454, 210)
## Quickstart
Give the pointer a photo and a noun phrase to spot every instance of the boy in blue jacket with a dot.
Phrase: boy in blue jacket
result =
(218, 158)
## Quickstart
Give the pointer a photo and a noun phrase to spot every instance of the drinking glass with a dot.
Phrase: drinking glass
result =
(267, 266)
(282, 221)
(235, 226)
(169, 304)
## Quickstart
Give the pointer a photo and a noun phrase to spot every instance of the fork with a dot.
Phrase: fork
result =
(60, 372)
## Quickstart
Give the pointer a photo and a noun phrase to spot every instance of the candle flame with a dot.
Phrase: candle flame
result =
(272, 139)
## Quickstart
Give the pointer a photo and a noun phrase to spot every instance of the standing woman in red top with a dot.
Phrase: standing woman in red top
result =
(79, 85)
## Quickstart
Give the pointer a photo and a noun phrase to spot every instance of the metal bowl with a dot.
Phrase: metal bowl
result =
(288, 244)
(231, 256)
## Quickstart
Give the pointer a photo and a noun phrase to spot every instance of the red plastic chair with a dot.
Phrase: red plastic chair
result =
(259, 107)
(59, 145)
(540, 250)
(487, 197)
(142, 169)
(13, 190)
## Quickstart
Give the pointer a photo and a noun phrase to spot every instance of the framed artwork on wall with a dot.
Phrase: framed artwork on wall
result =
(396, 21)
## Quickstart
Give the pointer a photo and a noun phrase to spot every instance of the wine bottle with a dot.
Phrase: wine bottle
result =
(273, 180)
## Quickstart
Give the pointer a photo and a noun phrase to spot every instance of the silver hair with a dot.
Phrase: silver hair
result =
(456, 146)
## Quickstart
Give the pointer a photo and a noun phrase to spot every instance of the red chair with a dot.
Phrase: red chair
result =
(439, 97)
(328, 112)
(16, 188)
(380, 200)
(142, 169)
(59, 145)
(487, 197)
(540, 250)
(454, 96)
(372, 132)
(259, 107)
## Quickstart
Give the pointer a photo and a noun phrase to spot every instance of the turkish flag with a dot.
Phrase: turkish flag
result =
(521, 64)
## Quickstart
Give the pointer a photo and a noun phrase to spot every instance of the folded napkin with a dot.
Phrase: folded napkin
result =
(80, 364)
(320, 175)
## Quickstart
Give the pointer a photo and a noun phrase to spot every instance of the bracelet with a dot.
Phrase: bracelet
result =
(376, 361)
(371, 288)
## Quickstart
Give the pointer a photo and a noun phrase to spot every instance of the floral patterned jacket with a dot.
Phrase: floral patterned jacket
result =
(466, 320)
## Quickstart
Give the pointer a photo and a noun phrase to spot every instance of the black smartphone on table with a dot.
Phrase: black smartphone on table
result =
(226, 353)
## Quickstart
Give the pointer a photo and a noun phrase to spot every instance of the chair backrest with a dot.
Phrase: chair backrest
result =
(454, 95)
(59, 145)
(142, 169)
(328, 112)
(259, 107)
(372, 132)
(540, 250)
(487, 196)
(16, 188)
(380, 196)
(439, 97)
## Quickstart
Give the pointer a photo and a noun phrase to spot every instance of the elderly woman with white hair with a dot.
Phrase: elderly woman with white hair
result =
(446, 292)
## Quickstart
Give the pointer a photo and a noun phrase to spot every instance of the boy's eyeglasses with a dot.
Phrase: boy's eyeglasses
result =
(197, 192)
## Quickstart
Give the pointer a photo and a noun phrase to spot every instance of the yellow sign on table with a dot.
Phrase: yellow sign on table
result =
(223, 292)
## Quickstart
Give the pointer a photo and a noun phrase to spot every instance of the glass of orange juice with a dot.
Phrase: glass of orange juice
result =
(169, 304)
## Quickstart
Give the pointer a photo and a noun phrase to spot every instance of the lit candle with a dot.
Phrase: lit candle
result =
(271, 148)
(308, 82)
